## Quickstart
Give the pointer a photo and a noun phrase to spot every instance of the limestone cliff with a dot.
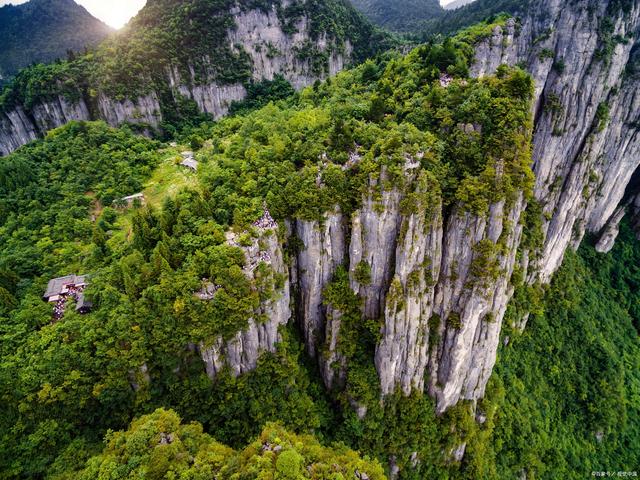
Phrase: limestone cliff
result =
(270, 43)
(434, 279)
(440, 280)
(241, 353)
(586, 149)
(437, 281)
(586, 143)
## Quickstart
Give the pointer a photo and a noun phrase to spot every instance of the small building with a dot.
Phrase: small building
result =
(132, 200)
(190, 163)
(63, 289)
(59, 287)
(82, 304)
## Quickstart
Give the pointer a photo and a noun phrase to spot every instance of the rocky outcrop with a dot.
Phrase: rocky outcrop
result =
(439, 282)
(274, 52)
(478, 260)
(240, 354)
(586, 142)
(301, 57)
(374, 236)
(19, 126)
(144, 110)
(610, 233)
(585, 152)
(322, 251)
(403, 351)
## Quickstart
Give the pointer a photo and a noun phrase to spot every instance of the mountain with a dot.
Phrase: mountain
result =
(270, 284)
(177, 59)
(464, 16)
(457, 4)
(429, 257)
(400, 15)
(43, 31)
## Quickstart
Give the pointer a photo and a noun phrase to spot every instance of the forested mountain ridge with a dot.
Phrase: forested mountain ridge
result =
(158, 74)
(192, 293)
(44, 30)
(399, 15)
(457, 4)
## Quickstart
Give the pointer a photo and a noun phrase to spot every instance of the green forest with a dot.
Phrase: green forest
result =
(400, 15)
(121, 393)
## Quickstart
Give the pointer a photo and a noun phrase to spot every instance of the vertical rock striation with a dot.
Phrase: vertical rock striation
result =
(586, 142)
(322, 251)
(241, 353)
(440, 281)
(272, 47)
(402, 353)
(436, 279)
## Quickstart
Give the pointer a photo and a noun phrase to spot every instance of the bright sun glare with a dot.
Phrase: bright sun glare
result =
(115, 13)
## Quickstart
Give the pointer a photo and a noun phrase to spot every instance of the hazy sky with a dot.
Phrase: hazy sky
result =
(113, 12)
(116, 12)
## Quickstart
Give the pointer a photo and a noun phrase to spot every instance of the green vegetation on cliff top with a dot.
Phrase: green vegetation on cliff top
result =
(66, 384)
(70, 381)
(188, 40)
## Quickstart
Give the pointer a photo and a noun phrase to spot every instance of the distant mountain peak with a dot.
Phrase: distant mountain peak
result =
(44, 30)
(399, 15)
(457, 4)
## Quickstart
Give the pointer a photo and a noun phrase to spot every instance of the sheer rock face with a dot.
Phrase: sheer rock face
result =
(18, 126)
(441, 334)
(422, 265)
(273, 52)
(402, 354)
(241, 353)
(471, 298)
(322, 252)
(145, 110)
(374, 236)
(438, 280)
(586, 140)
(260, 34)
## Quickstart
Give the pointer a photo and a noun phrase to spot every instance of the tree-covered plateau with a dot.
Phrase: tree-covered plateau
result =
(564, 397)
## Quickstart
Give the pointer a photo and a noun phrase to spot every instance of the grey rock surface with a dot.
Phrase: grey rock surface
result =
(241, 353)
(260, 34)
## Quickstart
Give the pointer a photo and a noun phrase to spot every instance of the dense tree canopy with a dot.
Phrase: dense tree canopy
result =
(66, 384)
(190, 39)
(159, 446)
